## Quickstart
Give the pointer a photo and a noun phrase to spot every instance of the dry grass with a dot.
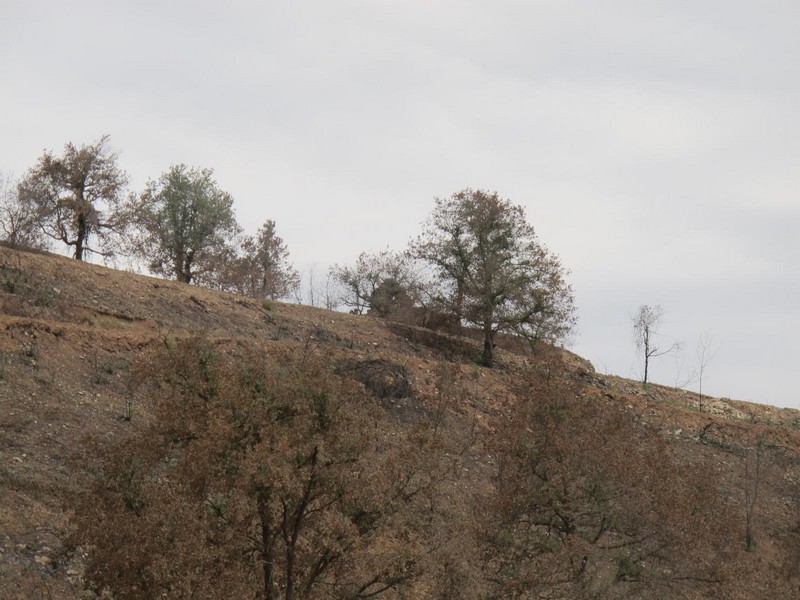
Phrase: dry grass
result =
(69, 333)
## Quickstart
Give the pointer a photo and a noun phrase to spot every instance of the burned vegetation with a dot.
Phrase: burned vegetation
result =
(312, 454)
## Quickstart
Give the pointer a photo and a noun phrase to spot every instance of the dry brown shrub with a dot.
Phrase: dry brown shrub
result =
(590, 504)
(264, 475)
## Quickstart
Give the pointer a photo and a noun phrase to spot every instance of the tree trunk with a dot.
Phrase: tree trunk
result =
(297, 525)
(646, 361)
(459, 305)
(646, 352)
(177, 266)
(81, 237)
(488, 345)
(187, 267)
(266, 545)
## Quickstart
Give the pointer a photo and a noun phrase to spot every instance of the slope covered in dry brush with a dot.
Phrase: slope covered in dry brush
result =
(164, 440)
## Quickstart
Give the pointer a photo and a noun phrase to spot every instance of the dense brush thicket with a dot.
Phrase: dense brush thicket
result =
(273, 473)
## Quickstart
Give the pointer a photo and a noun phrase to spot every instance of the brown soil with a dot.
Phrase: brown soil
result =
(70, 332)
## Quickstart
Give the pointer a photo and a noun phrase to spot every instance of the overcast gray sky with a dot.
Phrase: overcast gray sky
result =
(654, 145)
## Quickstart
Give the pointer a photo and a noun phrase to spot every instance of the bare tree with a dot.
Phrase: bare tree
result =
(332, 293)
(706, 349)
(377, 281)
(314, 292)
(18, 219)
(77, 196)
(645, 331)
(298, 294)
(314, 289)
(681, 380)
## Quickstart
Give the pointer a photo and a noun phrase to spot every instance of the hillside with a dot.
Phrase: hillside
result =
(73, 338)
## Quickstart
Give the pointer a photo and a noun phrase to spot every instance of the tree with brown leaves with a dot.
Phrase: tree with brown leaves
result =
(590, 504)
(491, 271)
(260, 478)
(19, 226)
(78, 196)
(261, 267)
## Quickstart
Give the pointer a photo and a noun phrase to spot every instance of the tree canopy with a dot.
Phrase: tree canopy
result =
(186, 223)
(261, 268)
(77, 196)
(19, 225)
(491, 271)
(377, 282)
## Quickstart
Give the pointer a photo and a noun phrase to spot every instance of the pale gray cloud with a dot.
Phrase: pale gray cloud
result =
(654, 145)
